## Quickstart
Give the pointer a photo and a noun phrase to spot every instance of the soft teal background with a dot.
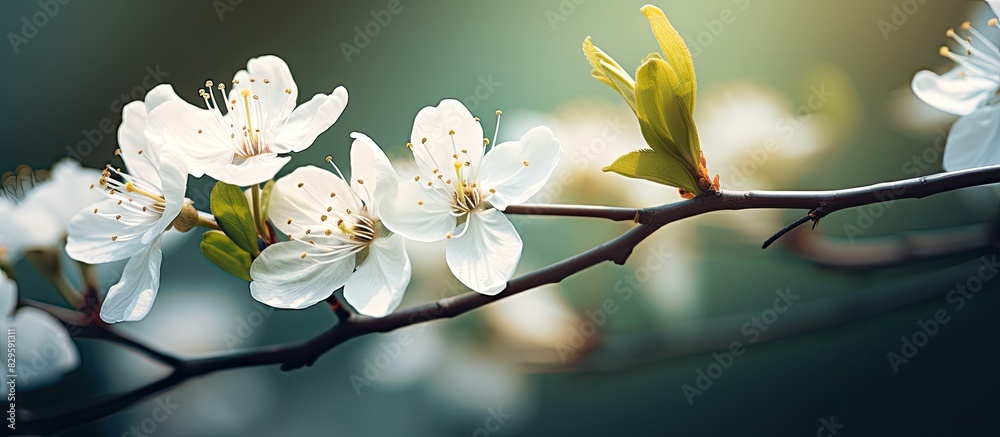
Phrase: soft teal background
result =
(65, 80)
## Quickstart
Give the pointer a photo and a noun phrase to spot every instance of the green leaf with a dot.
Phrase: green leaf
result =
(223, 252)
(676, 52)
(654, 166)
(608, 71)
(665, 113)
(232, 212)
(265, 200)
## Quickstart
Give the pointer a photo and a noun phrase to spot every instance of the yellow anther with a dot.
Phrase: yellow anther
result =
(199, 130)
(409, 145)
(245, 92)
(476, 118)
(252, 80)
(301, 184)
(288, 91)
(451, 132)
(436, 170)
(289, 221)
(118, 217)
(117, 152)
(208, 84)
(140, 151)
(966, 25)
(323, 218)
(329, 208)
(361, 181)
(499, 112)
(493, 190)
(303, 256)
(992, 22)
(329, 158)
(486, 141)
(308, 231)
(333, 194)
(267, 80)
(423, 141)
(943, 51)
(328, 232)
(416, 179)
(95, 210)
(447, 236)
(950, 33)
(91, 186)
(420, 202)
(525, 163)
(114, 238)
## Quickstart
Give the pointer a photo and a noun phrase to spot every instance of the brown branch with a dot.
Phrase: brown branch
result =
(616, 250)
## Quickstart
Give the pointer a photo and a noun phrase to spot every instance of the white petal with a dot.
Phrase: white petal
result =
(177, 124)
(434, 123)
(974, 140)
(90, 234)
(306, 205)
(173, 174)
(249, 171)
(282, 278)
(404, 215)
(995, 4)
(8, 295)
(309, 120)
(44, 349)
(132, 134)
(503, 167)
(953, 92)
(369, 163)
(132, 297)
(273, 100)
(485, 255)
(377, 287)
(61, 197)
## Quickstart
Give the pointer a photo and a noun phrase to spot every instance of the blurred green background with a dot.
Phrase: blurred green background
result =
(524, 57)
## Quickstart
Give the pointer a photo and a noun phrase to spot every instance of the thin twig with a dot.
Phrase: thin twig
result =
(617, 250)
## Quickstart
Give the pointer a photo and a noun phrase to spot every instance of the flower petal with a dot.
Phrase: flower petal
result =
(306, 205)
(96, 238)
(132, 297)
(504, 169)
(369, 163)
(63, 195)
(132, 134)
(194, 131)
(283, 278)
(434, 123)
(952, 92)
(404, 214)
(249, 171)
(974, 140)
(42, 337)
(8, 295)
(173, 174)
(487, 252)
(275, 102)
(309, 120)
(377, 287)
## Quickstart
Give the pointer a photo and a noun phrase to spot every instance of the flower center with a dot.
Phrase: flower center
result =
(341, 227)
(250, 124)
(979, 62)
(134, 194)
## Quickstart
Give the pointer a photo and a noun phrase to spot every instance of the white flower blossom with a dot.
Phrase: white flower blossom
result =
(336, 238)
(44, 349)
(972, 91)
(241, 147)
(36, 213)
(462, 190)
(139, 207)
